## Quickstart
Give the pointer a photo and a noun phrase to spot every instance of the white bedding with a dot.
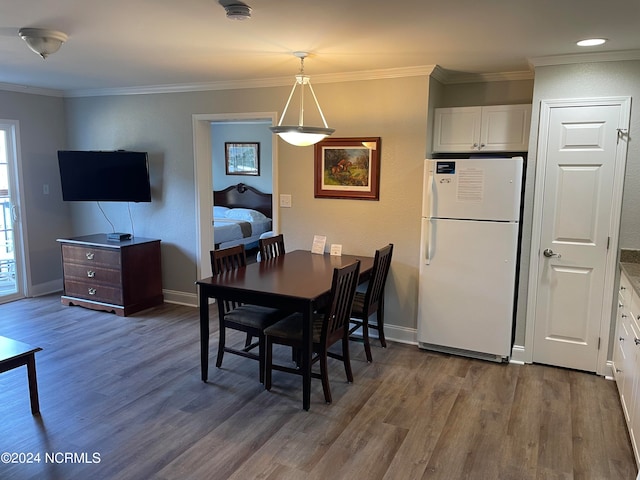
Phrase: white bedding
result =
(238, 226)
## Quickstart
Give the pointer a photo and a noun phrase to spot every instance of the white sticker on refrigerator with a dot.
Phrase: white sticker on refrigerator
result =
(470, 185)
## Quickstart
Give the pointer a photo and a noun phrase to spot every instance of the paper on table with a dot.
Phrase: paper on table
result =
(336, 249)
(319, 242)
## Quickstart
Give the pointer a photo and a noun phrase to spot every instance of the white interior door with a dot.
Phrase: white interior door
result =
(581, 162)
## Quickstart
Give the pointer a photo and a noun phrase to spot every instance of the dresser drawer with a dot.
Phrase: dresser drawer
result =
(94, 292)
(91, 256)
(92, 274)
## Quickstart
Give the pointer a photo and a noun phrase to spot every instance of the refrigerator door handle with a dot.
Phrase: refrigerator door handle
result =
(427, 247)
(429, 195)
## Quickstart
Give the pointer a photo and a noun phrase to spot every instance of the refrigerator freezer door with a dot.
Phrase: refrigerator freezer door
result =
(467, 285)
(476, 189)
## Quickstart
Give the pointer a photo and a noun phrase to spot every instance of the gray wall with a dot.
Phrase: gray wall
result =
(239, 132)
(44, 217)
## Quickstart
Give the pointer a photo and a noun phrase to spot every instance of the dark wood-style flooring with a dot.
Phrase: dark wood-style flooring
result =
(121, 398)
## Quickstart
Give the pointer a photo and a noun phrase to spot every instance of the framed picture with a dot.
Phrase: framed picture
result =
(347, 168)
(242, 158)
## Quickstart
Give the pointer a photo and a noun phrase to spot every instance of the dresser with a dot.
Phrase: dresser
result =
(123, 277)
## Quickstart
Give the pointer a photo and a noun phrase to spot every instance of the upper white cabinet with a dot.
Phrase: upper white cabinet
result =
(496, 128)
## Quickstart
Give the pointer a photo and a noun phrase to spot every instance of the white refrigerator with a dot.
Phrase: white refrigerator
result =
(468, 256)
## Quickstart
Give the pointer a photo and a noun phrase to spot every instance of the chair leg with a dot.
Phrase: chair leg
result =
(248, 340)
(221, 344)
(346, 358)
(380, 319)
(261, 357)
(324, 374)
(365, 339)
(268, 361)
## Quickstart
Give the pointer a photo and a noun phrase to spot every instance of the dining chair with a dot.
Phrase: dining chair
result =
(327, 329)
(251, 319)
(371, 301)
(271, 247)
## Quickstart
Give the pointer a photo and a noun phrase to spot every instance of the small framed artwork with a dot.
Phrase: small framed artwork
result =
(347, 168)
(242, 158)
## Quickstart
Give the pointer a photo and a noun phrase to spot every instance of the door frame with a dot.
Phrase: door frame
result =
(23, 278)
(204, 184)
(614, 224)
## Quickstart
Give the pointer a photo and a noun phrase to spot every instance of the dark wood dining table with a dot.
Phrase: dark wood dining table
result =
(298, 281)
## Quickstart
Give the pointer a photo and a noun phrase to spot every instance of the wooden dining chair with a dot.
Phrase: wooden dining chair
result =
(328, 328)
(251, 319)
(371, 301)
(271, 247)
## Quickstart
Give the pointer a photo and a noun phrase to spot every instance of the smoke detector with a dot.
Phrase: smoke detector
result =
(236, 10)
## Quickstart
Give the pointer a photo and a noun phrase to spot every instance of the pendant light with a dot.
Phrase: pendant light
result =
(302, 135)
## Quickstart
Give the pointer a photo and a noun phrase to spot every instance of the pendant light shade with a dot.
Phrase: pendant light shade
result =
(302, 135)
(42, 41)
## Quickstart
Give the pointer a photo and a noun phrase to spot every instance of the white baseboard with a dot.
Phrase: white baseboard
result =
(180, 298)
(45, 288)
(518, 355)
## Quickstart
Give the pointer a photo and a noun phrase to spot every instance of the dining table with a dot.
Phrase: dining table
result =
(298, 281)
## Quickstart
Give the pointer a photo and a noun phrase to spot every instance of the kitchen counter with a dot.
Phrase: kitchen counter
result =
(630, 265)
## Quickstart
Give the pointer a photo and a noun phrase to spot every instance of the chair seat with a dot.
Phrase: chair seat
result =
(291, 328)
(254, 316)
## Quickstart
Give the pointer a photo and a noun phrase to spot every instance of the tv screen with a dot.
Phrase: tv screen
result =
(118, 176)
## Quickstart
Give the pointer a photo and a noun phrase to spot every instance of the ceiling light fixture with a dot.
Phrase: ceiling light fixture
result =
(236, 10)
(591, 42)
(42, 41)
(301, 135)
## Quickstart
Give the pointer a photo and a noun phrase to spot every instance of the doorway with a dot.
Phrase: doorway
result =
(11, 260)
(203, 176)
(578, 199)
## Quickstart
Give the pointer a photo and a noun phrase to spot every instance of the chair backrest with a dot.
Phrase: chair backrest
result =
(226, 260)
(271, 247)
(379, 273)
(338, 313)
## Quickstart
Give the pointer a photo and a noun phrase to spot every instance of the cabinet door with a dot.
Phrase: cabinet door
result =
(457, 129)
(505, 128)
(633, 401)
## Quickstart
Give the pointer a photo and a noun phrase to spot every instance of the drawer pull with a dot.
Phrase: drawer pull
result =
(90, 255)
(92, 291)
(637, 341)
(91, 273)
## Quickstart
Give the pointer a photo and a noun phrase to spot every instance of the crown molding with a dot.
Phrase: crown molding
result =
(617, 56)
(49, 92)
(423, 70)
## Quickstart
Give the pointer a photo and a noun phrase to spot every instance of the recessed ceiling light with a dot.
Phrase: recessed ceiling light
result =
(591, 42)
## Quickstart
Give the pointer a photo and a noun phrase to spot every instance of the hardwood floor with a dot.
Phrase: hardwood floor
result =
(124, 396)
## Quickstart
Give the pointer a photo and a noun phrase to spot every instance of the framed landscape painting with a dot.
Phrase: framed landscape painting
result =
(347, 168)
(242, 158)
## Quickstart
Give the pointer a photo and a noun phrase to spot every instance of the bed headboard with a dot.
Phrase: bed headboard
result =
(243, 196)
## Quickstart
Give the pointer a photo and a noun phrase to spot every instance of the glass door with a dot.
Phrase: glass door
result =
(10, 265)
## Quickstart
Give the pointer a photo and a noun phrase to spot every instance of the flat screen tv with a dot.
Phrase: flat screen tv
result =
(102, 176)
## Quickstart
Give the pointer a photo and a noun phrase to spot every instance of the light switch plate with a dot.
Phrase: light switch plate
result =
(285, 200)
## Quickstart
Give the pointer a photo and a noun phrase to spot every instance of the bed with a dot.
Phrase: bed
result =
(241, 214)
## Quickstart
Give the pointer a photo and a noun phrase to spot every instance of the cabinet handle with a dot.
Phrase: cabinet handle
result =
(618, 370)
(622, 288)
(91, 273)
(92, 291)
(475, 145)
(637, 341)
(623, 315)
(482, 145)
(90, 255)
(621, 339)
(620, 305)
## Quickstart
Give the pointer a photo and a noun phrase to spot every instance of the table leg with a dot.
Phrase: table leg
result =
(307, 352)
(33, 384)
(204, 333)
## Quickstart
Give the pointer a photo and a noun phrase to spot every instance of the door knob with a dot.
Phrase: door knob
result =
(549, 253)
